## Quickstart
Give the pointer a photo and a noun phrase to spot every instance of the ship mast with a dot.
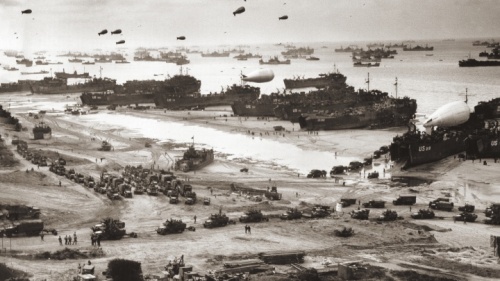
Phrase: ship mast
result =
(466, 96)
(396, 86)
(368, 81)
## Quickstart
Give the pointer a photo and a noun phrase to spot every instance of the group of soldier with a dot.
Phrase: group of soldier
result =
(68, 240)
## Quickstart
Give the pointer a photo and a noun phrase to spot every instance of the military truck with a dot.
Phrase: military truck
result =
(112, 194)
(405, 200)
(440, 204)
(109, 229)
(206, 201)
(388, 215)
(28, 227)
(373, 175)
(253, 216)
(152, 189)
(273, 194)
(216, 220)
(79, 178)
(467, 208)
(355, 165)
(374, 204)
(138, 189)
(492, 209)
(360, 214)
(171, 226)
(291, 214)
(70, 174)
(89, 182)
(337, 170)
(468, 217)
(125, 190)
(423, 214)
(174, 199)
(184, 189)
(190, 198)
(346, 202)
(16, 212)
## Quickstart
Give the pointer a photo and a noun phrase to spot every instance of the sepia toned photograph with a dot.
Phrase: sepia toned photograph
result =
(249, 140)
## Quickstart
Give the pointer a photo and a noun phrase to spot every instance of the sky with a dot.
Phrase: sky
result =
(73, 25)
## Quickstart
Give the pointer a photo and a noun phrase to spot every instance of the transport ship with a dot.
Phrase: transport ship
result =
(172, 98)
(475, 133)
(323, 80)
(51, 85)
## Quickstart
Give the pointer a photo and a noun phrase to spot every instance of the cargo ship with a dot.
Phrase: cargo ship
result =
(375, 110)
(476, 134)
(194, 159)
(324, 80)
(51, 85)
(35, 72)
(26, 62)
(418, 48)
(477, 63)
(298, 52)
(215, 54)
(65, 75)
(171, 98)
(274, 60)
(21, 85)
(349, 49)
(42, 131)
(248, 56)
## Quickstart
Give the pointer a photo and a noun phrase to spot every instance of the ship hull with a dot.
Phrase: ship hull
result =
(69, 89)
(421, 153)
(249, 109)
(116, 99)
(319, 83)
(192, 99)
(483, 146)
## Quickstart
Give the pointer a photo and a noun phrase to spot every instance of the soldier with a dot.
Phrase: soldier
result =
(246, 229)
(66, 240)
(41, 236)
(249, 230)
(69, 240)
(194, 218)
(74, 240)
(60, 240)
(98, 241)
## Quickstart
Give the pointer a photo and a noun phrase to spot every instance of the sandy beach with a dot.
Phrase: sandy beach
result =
(455, 250)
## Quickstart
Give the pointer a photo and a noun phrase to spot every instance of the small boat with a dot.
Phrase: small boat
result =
(312, 58)
(360, 64)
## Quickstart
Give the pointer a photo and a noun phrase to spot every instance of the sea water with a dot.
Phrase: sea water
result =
(432, 80)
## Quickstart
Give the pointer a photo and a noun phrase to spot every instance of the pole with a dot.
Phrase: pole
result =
(396, 85)
(368, 81)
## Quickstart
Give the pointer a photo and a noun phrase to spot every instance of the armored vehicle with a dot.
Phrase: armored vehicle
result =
(374, 204)
(423, 214)
(273, 194)
(216, 220)
(171, 226)
(388, 215)
(253, 216)
(291, 214)
(360, 214)
(468, 217)
(174, 199)
(125, 190)
(319, 211)
(467, 208)
(109, 229)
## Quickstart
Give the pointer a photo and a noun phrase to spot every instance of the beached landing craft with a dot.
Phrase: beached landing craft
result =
(457, 131)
